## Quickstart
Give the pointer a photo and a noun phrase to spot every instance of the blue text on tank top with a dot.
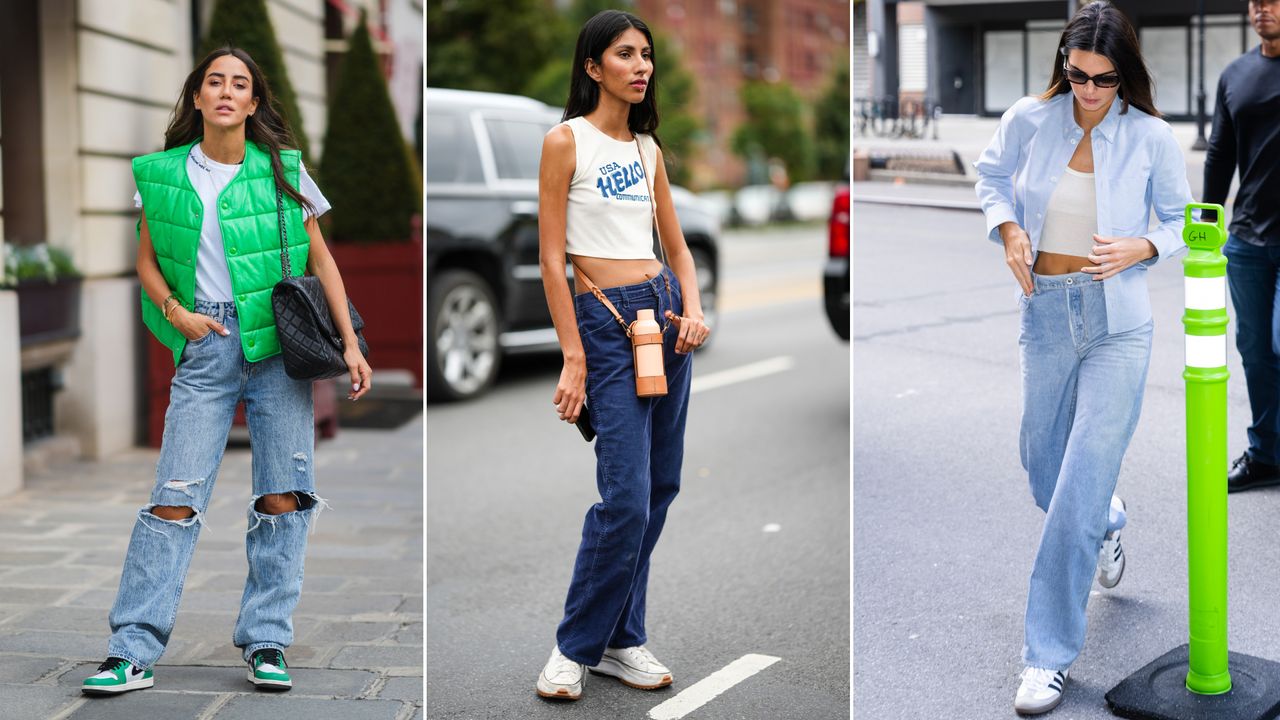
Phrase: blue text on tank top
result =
(615, 179)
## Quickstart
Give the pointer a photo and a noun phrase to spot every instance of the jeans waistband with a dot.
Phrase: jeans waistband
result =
(217, 310)
(1079, 280)
(637, 292)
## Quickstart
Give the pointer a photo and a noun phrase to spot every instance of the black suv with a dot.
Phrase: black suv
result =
(484, 284)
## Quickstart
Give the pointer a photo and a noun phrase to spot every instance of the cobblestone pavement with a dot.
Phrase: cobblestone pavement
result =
(358, 628)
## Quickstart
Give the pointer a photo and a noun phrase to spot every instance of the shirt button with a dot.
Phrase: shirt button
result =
(1053, 179)
(225, 206)
(250, 343)
(241, 298)
(1038, 215)
(232, 251)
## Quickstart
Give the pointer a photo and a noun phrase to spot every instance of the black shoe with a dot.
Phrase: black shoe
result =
(1247, 474)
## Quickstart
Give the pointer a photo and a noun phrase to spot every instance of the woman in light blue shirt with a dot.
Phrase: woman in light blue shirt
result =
(1068, 185)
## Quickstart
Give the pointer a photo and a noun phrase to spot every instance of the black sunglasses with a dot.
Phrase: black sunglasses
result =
(1079, 77)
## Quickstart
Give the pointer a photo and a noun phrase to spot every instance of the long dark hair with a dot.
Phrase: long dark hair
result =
(1099, 27)
(266, 126)
(584, 94)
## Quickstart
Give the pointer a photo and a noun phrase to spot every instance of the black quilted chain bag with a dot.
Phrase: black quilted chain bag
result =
(309, 341)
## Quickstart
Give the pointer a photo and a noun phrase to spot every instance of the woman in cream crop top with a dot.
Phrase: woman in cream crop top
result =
(609, 215)
(601, 185)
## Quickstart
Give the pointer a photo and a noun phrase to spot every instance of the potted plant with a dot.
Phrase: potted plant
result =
(48, 287)
(374, 183)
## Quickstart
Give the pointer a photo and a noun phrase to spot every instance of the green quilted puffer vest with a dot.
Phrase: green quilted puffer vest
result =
(250, 240)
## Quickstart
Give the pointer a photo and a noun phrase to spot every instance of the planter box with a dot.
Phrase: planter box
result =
(384, 280)
(48, 312)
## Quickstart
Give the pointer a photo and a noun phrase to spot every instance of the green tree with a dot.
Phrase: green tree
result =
(245, 24)
(367, 169)
(482, 45)
(776, 126)
(678, 126)
(831, 126)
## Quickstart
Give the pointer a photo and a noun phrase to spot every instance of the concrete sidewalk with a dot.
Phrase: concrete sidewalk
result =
(968, 136)
(358, 628)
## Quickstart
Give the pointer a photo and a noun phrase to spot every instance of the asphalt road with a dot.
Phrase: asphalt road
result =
(508, 484)
(945, 529)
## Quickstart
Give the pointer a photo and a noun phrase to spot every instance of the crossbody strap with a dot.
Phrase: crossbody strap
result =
(595, 290)
(653, 210)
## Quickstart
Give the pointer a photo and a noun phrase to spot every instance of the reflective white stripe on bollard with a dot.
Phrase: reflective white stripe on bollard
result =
(1206, 293)
(1206, 351)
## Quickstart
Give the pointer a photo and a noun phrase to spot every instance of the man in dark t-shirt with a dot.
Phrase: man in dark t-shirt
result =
(1246, 135)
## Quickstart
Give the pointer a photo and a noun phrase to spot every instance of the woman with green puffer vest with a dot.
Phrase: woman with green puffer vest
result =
(208, 258)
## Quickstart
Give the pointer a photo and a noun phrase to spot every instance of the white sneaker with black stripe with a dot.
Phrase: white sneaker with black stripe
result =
(1040, 691)
(1111, 555)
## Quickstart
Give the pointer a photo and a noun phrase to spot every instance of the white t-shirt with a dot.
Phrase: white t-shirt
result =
(213, 279)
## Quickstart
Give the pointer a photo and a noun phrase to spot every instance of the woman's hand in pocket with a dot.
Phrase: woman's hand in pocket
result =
(1017, 254)
(195, 326)
(571, 391)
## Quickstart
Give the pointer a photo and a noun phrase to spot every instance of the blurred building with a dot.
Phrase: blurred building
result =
(725, 43)
(978, 57)
(86, 85)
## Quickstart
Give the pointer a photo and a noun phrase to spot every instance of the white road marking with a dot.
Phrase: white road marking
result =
(907, 392)
(706, 689)
(782, 363)
(772, 528)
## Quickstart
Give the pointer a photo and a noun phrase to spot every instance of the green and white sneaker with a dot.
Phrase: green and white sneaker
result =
(268, 671)
(117, 675)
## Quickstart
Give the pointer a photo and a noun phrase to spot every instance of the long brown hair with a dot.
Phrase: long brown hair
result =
(266, 126)
(1099, 27)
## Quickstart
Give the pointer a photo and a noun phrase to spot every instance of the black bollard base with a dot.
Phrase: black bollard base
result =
(1159, 691)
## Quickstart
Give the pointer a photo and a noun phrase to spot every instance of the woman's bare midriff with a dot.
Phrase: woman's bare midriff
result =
(607, 273)
(1048, 263)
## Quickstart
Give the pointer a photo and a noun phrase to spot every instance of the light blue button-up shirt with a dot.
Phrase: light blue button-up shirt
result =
(1138, 167)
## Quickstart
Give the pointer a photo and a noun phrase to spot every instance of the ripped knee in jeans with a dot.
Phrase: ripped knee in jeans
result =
(157, 517)
(271, 508)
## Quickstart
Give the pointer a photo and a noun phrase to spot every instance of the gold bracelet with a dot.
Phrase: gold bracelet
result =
(166, 308)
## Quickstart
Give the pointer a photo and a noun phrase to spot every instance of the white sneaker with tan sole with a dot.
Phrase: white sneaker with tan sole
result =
(561, 679)
(634, 666)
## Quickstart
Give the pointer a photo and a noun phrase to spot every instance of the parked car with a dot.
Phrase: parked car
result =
(484, 285)
(835, 273)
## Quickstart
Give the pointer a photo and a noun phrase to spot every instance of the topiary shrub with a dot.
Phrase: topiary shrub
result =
(368, 172)
(245, 24)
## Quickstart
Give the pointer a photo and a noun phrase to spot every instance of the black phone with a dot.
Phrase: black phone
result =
(584, 424)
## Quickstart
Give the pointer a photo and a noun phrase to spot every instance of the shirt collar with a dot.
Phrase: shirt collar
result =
(1105, 129)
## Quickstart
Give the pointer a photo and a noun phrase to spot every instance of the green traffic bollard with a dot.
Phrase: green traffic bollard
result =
(1192, 681)
(1205, 319)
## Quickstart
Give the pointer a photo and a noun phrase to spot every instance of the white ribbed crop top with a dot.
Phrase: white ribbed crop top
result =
(609, 214)
(1072, 216)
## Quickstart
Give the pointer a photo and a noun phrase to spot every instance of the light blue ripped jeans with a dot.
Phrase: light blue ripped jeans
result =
(1081, 395)
(211, 378)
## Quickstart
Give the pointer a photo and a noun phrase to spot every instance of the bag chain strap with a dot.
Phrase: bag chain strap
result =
(285, 269)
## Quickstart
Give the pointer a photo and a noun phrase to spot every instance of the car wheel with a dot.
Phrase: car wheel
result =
(707, 284)
(462, 338)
